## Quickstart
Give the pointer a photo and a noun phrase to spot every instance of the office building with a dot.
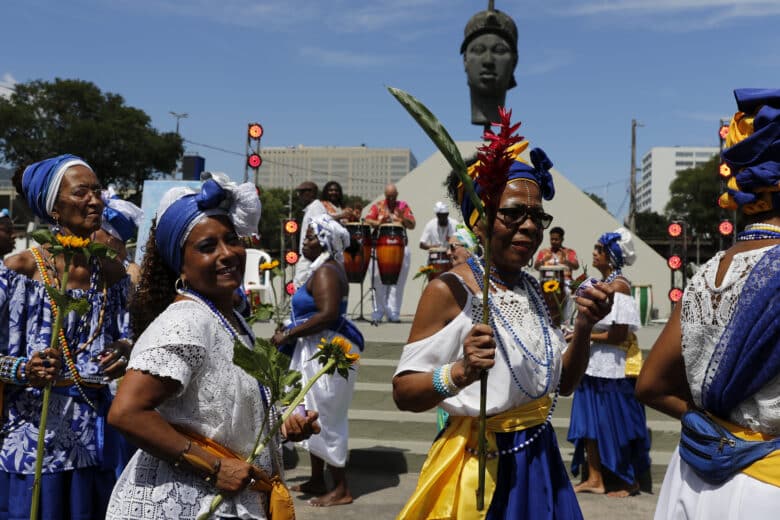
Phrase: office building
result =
(360, 170)
(659, 168)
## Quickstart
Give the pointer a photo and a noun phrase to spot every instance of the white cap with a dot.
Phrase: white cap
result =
(440, 207)
(626, 244)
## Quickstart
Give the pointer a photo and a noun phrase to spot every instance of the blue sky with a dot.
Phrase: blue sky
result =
(314, 72)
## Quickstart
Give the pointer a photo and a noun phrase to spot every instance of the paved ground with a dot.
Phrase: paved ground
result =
(380, 496)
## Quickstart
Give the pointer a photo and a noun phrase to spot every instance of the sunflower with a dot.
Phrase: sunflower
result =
(551, 286)
(72, 241)
(267, 266)
(339, 348)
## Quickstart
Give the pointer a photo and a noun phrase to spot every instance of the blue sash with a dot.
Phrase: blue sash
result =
(747, 355)
(341, 325)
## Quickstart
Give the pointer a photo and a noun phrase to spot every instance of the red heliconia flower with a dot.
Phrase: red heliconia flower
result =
(495, 159)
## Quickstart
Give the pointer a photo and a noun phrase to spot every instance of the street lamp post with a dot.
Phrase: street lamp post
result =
(178, 116)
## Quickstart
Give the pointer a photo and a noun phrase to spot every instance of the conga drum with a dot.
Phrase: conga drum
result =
(390, 252)
(438, 259)
(358, 255)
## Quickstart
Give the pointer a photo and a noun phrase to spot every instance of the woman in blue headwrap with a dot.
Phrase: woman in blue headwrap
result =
(607, 422)
(319, 311)
(80, 455)
(720, 350)
(527, 358)
(191, 411)
(121, 219)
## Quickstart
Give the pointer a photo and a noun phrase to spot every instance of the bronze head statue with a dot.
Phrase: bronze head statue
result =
(489, 52)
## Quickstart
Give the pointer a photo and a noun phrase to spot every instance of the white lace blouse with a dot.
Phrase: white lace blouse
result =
(706, 310)
(217, 399)
(609, 361)
(515, 374)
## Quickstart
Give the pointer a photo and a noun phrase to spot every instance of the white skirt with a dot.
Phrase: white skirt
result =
(330, 397)
(684, 495)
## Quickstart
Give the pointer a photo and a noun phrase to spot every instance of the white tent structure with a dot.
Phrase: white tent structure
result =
(582, 219)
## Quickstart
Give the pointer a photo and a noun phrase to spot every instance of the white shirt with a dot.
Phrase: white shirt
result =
(435, 235)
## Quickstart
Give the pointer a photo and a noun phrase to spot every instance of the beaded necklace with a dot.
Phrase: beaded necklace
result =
(759, 231)
(541, 311)
(544, 319)
(69, 358)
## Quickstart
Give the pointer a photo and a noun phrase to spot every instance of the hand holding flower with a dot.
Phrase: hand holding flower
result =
(299, 428)
(43, 367)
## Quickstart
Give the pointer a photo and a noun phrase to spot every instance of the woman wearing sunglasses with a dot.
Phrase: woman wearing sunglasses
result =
(527, 359)
(607, 422)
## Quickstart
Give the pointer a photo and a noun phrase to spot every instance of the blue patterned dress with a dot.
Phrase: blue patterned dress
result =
(81, 450)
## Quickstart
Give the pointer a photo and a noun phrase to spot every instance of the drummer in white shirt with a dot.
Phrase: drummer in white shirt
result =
(437, 231)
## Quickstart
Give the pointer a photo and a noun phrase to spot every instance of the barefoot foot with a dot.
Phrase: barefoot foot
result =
(590, 487)
(334, 498)
(310, 488)
(630, 491)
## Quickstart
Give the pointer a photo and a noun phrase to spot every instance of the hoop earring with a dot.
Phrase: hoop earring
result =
(530, 262)
(56, 228)
(181, 285)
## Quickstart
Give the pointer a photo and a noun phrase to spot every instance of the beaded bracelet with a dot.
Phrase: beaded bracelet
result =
(446, 376)
(9, 368)
(20, 361)
(444, 389)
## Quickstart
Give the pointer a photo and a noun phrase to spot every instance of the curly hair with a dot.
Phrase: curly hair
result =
(157, 288)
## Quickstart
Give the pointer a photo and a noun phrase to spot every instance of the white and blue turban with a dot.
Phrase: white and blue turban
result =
(620, 247)
(41, 182)
(182, 208)
(121, 218)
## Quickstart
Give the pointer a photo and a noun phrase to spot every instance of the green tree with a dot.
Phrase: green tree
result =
(43, 119)
(694, 198)
(651, 226)
(274, 202)
(598, 200)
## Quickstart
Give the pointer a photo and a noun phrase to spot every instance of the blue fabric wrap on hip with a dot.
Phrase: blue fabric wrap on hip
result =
(341, 325)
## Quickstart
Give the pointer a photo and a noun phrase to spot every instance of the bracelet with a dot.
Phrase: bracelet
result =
(8, 368)
(446, 376)
(208, 472)
(445, 389)
(23, 372)
(180, 458)
(214, 472)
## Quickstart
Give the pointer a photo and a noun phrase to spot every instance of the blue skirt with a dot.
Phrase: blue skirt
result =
(532, 483)
(607, 411)
(80, 494)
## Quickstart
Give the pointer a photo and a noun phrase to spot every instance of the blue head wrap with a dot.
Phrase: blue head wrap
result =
(620, 247)
(182, 208)
(41, 182)
(120, 217)
(538, 173)
(755, 156)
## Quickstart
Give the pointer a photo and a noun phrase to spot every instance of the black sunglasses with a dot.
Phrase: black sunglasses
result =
(516, 215)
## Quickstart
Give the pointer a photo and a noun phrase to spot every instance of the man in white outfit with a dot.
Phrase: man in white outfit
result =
(438, 230)
(388, 297)
(307, 197)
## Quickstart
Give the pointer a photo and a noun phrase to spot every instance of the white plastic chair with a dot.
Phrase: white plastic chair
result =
(252, 281)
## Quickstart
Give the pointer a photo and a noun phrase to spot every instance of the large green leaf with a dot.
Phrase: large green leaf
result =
(43, 236)
(441, 138)
(270, 367)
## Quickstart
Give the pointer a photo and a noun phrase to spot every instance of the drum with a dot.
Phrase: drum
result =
(390, 252)
(438, 259)
(643, 295)
(358, 255)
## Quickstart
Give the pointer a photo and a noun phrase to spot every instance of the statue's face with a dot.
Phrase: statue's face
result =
(489, 63)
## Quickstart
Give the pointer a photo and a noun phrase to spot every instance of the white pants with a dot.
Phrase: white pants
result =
(388, 298)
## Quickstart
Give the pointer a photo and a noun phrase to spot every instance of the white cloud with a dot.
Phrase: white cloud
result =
(341, 58)
(7, 84)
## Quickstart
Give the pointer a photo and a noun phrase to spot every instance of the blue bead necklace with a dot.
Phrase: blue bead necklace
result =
(541, 312)
(197, 297)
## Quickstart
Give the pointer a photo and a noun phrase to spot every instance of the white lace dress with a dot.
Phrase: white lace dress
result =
(217, 400)
(706, 310)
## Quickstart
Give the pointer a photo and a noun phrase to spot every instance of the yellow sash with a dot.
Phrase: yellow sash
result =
(448, 481)
(280, 503)
(767, 469)
(633, 355)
